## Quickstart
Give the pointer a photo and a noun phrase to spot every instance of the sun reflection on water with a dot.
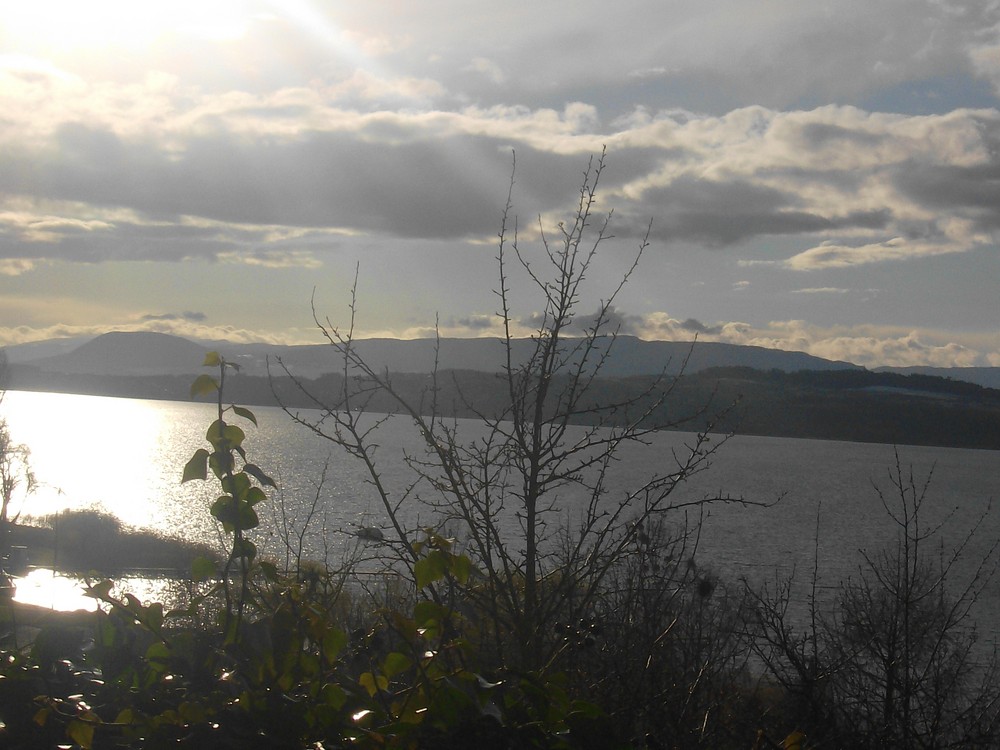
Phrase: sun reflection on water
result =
(51, 589)
(47, 588)
(111, 453)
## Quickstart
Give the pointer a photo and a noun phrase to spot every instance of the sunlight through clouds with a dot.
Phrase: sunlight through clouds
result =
(288, 143)
(65, 25)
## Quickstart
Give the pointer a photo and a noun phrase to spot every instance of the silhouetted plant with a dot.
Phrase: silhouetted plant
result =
(897, 662)
(505, 491)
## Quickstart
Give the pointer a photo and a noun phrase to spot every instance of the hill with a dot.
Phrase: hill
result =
(988, 377)
(128, 353)
(143, 353)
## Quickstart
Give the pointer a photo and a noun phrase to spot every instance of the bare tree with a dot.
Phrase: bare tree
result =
(897, 662)
(15, 467)
(531, 495)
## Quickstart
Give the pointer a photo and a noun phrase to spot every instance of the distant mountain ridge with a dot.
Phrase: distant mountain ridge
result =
(146, 353)
(784, 394)
(128, 353)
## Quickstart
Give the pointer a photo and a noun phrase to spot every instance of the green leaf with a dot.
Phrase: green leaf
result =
(426, 612)
(255, 471)
(81, 733)
(237, 485)
(203, 385)
(334, 641)
(221, 509)
(244, 548)
(373, 683)
(255, 495)
(158, 654)
(221, 462)
(202, 569)
(395, 663)
(196, 467)
(154, 616)
(234, 435)
(334, 695)
(245, 413)
(219, 432)
(214, 432)
(429, 569)
(212, 359)
(270, 571)
(232, 513)
(461, 568)
(101, 590)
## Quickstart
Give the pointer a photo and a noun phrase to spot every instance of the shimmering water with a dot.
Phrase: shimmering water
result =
(126, 457)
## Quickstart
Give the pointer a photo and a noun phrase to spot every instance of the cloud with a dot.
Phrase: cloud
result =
(798, 139)
(488, 68)
(177, 326)
(866, 345)
(840, 256)
(16, 266)
(696, 326)
(851, 186)
(196, 317)
(273, 258)
(476, 322)
(821, 290)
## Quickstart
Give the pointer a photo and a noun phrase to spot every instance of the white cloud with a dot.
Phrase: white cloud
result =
(487, 68)
(16, 266)
(273, 259)
(821, 290)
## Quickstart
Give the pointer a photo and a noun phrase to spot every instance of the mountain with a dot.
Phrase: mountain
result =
(128, 353)
(144, 353)
(33, 350)
(788, 394)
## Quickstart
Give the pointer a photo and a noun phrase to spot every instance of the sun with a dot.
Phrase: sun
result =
(69, 26)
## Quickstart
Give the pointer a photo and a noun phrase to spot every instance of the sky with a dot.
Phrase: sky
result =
(820, 176)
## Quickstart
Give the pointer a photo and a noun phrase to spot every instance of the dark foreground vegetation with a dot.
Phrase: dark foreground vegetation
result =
(667, 656)
(86, 541)
(497, 621)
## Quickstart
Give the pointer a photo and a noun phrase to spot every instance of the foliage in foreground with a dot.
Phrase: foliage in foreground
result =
(263, 657)
(275, 668)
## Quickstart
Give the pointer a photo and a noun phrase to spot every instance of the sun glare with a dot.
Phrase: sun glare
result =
(70, 25)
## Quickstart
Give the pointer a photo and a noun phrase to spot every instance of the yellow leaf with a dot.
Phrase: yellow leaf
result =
(202, 385)
(81, 733)
(793, 741)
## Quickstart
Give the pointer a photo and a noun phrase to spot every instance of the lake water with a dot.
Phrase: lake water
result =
(126, 457)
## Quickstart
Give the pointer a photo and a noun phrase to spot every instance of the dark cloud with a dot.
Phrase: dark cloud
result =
(479, 322)
(696, 326)
(614, 320)
(971, 192)
(724, 213)
(819, 134)
(427, 188)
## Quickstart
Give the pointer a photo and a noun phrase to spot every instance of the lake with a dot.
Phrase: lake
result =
(126, 457)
